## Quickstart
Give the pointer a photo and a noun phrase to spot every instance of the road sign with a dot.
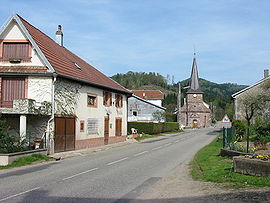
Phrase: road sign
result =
(225, 119)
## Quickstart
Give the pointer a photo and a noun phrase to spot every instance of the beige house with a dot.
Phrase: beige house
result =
(238, 97)
(48, 92)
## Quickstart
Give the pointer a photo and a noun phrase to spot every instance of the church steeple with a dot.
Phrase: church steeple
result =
(194, 78)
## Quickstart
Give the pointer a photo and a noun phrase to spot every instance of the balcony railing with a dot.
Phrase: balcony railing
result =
(28, 106)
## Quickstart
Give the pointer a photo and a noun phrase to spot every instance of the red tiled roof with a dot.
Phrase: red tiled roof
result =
(149, 94)
(23, 69)
(63, 61)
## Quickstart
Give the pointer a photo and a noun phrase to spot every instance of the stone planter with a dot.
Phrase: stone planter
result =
(6, 159)
(254, 167)
(231, 153)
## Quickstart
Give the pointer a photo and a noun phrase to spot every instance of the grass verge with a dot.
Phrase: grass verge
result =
(146, 136)
(22, 161)
(207, 165)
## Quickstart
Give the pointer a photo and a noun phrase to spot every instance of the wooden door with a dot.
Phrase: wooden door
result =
(106, 130)
(64, 137)
(118, 127)
(194, 123)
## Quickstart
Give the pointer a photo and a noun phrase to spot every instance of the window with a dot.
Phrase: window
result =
(118, 100)
(135, 113)
(107, 98)
(91, 100)
(16, 51)
(92, 126)
(12, 88)
(81, 126)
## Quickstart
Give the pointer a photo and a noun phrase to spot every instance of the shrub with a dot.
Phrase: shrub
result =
(169, 117)
(153, 128)
(9, 143)
(240, 129)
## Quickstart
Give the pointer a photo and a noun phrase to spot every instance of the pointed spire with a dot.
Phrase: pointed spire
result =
(194, 78)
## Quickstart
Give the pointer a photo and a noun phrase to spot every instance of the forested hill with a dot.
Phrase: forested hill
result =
(219, 95)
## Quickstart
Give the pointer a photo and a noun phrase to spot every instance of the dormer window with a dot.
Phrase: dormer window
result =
(15, 52)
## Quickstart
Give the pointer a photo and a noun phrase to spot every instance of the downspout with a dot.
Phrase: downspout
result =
(50, 136)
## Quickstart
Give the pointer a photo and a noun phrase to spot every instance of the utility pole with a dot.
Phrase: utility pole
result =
(179, 103)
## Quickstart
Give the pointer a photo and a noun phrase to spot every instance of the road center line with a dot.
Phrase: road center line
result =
(176, 141)
(93, 169)
(157, 148)
(167, 144)
(21, 193)
(140, 153)
(114, 162)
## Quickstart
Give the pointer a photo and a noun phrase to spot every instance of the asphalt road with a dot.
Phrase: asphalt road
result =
(116, 175)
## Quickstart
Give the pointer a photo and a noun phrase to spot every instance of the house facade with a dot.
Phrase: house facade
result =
(47, 92)
(152, 96)
(195, 112)
(142, 110)
(240, 96)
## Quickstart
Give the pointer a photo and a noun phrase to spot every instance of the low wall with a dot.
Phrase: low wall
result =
(96, 142)
(6, 159)
(253, 167)
(231, 153)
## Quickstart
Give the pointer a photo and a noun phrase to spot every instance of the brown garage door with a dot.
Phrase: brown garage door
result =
(64, 138)
(118, 127)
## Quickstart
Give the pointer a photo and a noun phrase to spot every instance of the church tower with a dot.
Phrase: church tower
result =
(195, 112)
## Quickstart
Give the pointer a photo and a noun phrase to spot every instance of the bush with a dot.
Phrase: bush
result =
(153, 128)
(170, 126)
(9, 143)
(240, 129)
(169, 117)
(262, 132)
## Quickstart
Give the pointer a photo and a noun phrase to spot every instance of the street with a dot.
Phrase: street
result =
(115, 175)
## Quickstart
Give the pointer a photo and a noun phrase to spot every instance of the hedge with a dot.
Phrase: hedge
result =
(170, 117)
(153, 128)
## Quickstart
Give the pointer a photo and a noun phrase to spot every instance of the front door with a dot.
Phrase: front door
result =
(118, 127)
(64, 137)
(106, 130)
(194, 123)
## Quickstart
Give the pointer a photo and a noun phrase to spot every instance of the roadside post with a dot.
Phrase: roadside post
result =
(226, 123)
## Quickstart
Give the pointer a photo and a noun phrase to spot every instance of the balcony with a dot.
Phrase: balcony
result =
(28, 106)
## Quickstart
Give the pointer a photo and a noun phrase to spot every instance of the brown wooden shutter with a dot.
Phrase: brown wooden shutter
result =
(110, 94)
(104, 98)
(16, 50)
(12, 88)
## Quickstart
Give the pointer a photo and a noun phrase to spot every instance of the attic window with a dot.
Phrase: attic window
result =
(77, 66)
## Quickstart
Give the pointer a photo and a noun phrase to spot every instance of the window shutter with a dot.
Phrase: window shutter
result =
(104, 98)
(110, 98)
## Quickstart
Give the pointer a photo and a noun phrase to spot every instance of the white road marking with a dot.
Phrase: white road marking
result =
(21, 193)
(140, 153)
(93, 169)
(114, 162)
(157, 148)
(176, 141)
(167, 144)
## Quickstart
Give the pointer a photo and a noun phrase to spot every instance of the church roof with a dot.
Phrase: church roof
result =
(194, 79)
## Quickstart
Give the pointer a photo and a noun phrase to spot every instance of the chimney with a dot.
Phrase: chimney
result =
(266, 73)
(59, 36)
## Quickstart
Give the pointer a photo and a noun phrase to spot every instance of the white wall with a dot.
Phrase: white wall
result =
(156, 102)
(13, 32)
(39, 88)
(83, 112)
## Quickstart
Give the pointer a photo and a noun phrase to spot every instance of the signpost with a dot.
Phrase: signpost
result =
(226, 124)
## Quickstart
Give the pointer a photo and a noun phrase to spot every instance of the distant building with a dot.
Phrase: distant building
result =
(195, 112)
(142, 110)
(152, 96)
(239, 111)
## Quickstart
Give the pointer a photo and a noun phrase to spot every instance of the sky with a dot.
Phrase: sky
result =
(230, 37)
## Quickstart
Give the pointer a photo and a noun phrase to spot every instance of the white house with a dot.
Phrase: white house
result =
(49, 92)
(142, 110)
(152, 96)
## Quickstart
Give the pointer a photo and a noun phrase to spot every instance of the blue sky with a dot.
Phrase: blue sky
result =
(231, 37)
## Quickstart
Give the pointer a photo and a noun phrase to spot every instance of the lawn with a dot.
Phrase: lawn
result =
(207, 165)
(27, 160)
(146, 136)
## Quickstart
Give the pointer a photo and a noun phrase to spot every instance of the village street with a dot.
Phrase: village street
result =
(116, 174)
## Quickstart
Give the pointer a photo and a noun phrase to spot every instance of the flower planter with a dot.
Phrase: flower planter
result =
(6, 159)
(254, 167)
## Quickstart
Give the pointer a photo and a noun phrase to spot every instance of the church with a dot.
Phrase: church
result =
(195, 112)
